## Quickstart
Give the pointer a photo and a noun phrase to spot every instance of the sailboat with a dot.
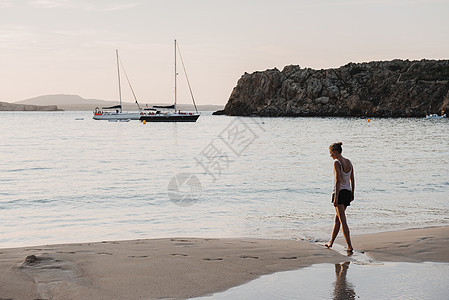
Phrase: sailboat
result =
(115, 113)
(171, 113)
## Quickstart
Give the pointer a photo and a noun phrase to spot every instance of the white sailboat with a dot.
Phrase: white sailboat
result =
(116, 113)
(172, 114)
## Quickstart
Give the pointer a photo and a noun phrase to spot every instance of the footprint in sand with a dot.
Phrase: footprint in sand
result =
(180, 240)
(178, 254)
(248, 242)
(213, 259)
(248, 256)
(288, 257)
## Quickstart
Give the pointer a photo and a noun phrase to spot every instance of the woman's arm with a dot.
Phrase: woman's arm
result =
(337, 181)
(352, 182)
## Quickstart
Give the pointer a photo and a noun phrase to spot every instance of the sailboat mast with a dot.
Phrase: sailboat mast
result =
(176, 75)
(119, 86)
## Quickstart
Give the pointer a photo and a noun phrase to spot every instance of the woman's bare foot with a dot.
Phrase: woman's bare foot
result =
(349, 249)
(328, 245)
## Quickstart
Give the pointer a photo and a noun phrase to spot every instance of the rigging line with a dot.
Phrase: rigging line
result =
(188, 82)
(129, 83)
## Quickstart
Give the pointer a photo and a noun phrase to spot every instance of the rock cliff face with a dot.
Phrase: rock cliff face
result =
(5, 106)
(395, 88)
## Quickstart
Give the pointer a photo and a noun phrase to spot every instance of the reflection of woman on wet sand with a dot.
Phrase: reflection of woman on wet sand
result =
(343, 193)
(342, 288)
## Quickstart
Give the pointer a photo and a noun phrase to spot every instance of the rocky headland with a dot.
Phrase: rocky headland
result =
(5, 106)
(398, 88)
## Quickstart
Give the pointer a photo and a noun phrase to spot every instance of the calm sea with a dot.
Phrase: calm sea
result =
(67, 178)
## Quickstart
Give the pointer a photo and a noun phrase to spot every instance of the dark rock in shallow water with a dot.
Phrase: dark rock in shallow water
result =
(395, 88)
(31, 259)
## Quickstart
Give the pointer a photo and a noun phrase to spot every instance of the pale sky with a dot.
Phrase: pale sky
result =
(68, 46)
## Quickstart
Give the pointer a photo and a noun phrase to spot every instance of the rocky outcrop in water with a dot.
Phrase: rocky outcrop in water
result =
(395, 88)
(5, 106)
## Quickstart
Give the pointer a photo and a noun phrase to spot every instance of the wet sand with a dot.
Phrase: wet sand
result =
(413, 245)
(186, 267)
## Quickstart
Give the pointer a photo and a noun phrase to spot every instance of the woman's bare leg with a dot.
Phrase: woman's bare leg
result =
(340, 209)
(334, 232)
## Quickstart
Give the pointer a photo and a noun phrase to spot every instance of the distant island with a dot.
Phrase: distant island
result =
(397, 88)
(77, 103)
(5, 106)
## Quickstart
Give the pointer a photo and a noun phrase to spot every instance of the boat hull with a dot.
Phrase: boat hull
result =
(117, 116)
(169, 118)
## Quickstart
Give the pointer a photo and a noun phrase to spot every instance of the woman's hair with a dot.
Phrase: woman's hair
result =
(336, 147)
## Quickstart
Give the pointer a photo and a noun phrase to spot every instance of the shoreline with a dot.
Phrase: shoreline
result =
(188, 267)
(408, 245)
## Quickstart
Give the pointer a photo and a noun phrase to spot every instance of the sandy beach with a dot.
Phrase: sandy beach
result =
(413, 245)
(186, 267)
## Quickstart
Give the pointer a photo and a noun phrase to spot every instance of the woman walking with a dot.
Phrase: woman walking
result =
(342, 193)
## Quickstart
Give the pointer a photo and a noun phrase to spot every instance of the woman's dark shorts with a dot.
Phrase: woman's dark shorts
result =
(344, 197)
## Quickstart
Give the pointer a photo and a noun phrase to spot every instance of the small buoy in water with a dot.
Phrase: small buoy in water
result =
(144, 122)
(369, 120)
